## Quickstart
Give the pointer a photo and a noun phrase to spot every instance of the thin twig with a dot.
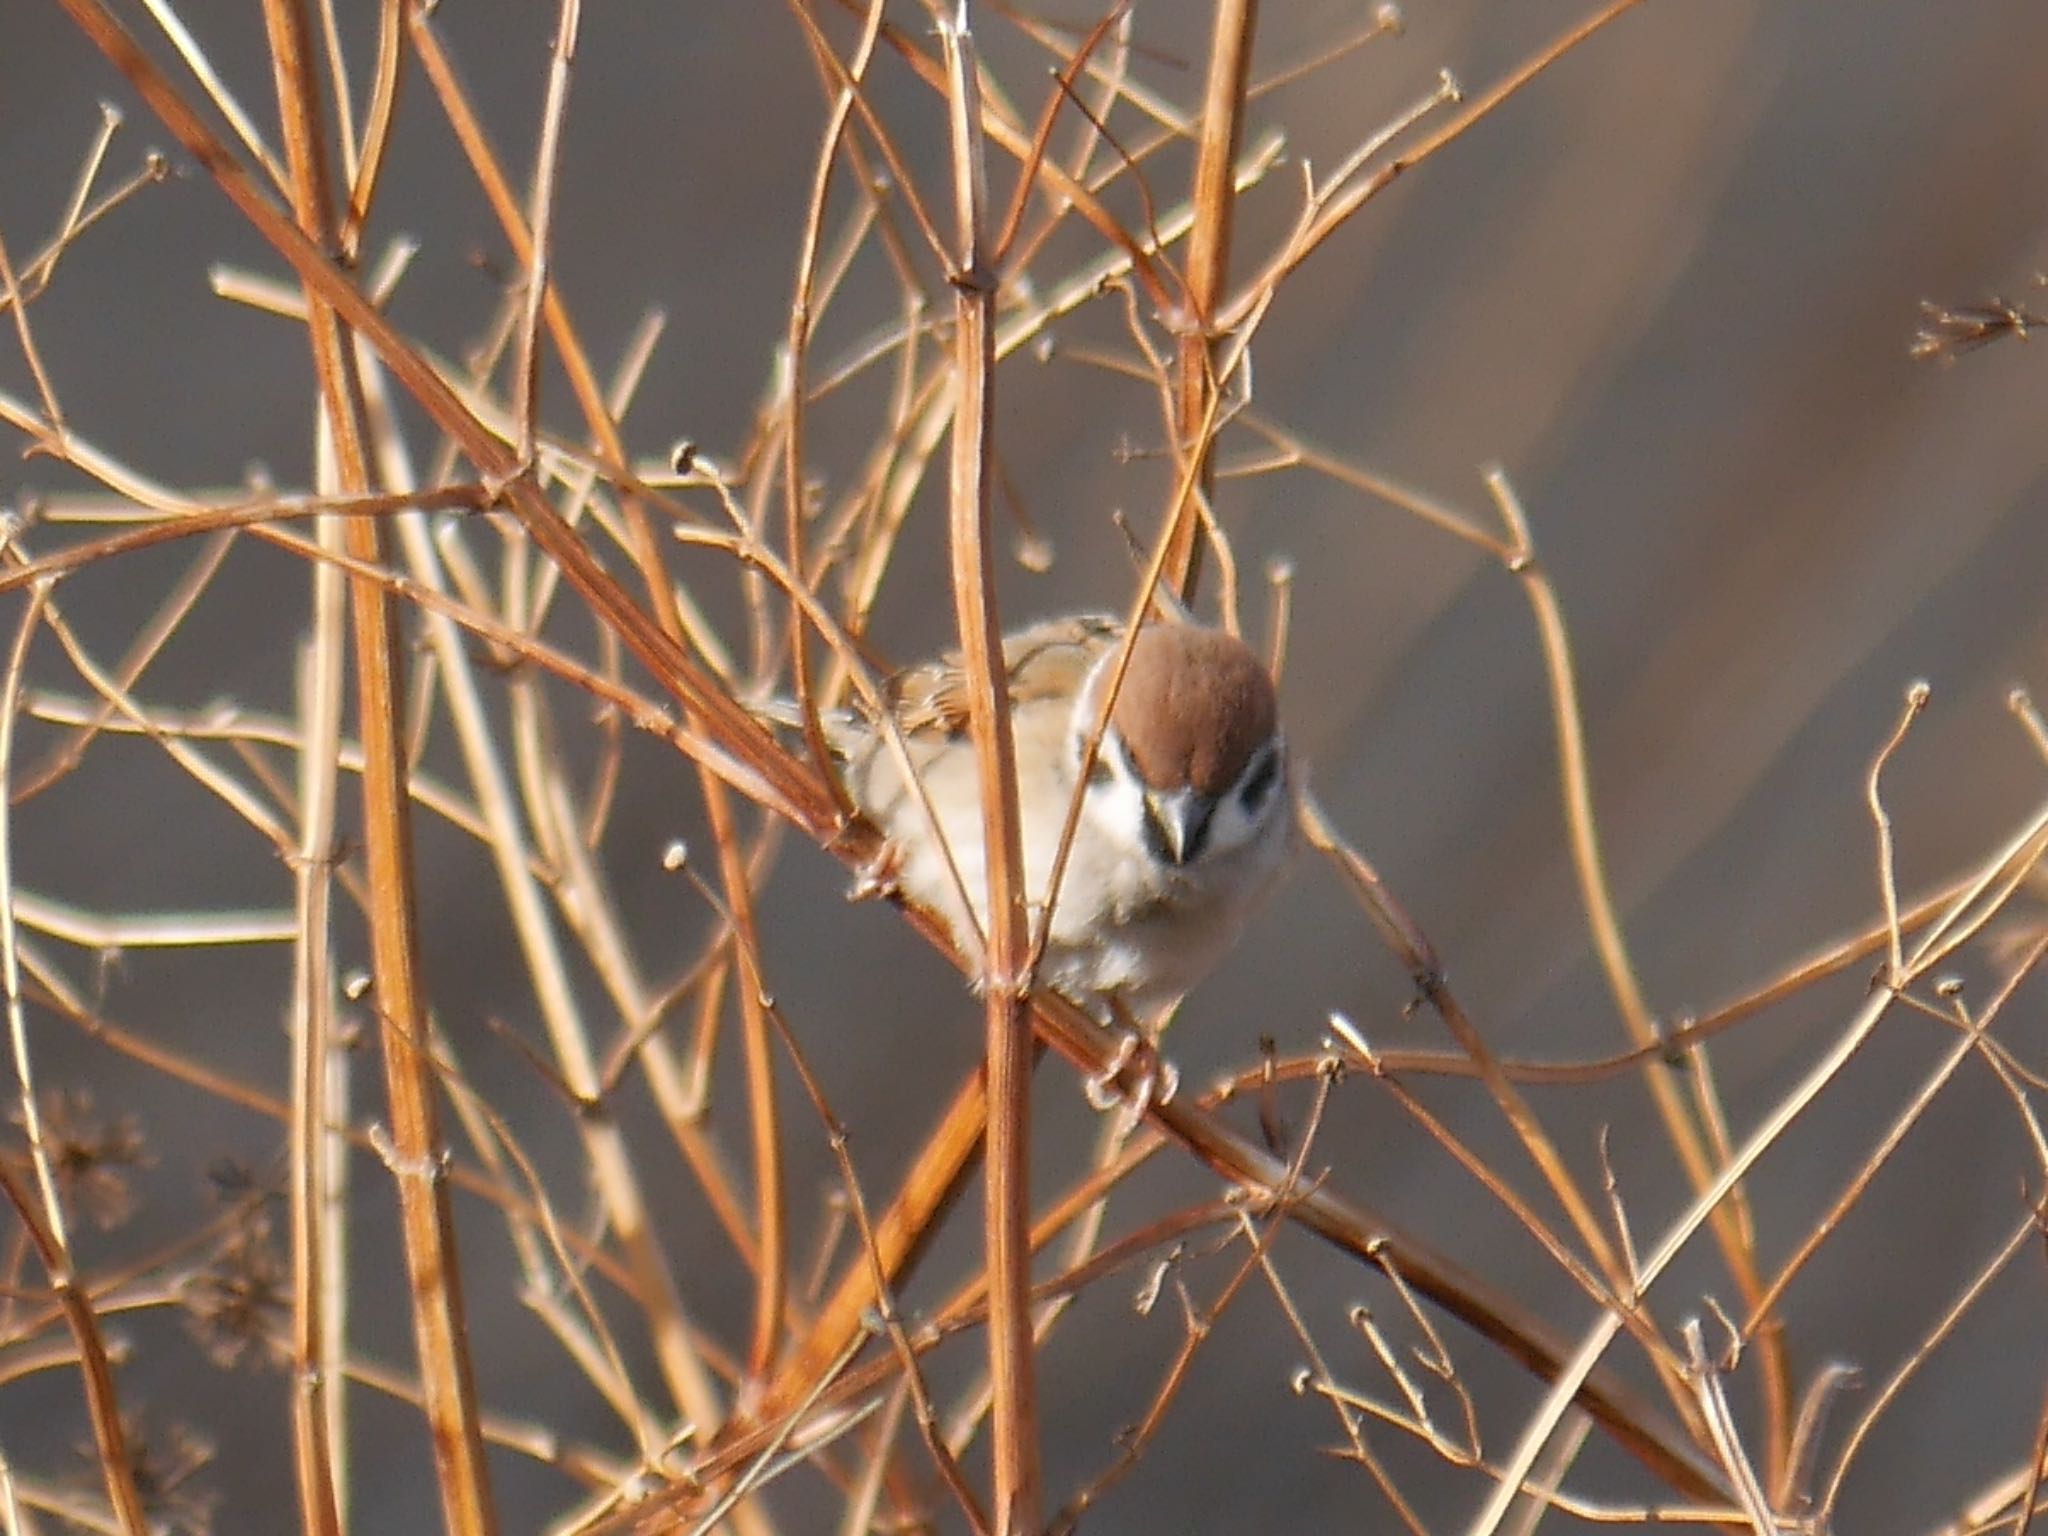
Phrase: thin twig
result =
(319, 1291)
(1887, 873)
(526, 374)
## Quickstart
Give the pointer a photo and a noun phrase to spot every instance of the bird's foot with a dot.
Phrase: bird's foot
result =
(1155, 1082)
(877, 877)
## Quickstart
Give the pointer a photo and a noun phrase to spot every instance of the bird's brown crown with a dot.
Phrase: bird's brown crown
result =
(1195, 704)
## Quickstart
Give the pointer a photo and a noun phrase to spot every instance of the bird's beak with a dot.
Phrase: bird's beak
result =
(1177, 824)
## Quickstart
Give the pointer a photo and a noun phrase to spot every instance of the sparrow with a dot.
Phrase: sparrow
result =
(1185, 818)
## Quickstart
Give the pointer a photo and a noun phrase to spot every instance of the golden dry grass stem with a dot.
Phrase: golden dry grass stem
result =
(50, 990)
(2025, 1234)
(686, 1378)
(318, 1073)
(1354, 1229)
(486, 451)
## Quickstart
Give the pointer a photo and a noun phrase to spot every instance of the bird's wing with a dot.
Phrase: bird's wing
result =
(1045, 661)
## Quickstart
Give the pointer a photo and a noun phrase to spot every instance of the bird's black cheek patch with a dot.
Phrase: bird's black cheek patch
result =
(1157, 843)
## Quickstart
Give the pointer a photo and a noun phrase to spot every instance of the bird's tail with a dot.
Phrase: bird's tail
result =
(787, 714)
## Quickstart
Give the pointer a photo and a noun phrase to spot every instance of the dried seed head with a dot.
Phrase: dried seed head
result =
(1947, 333)
(239, 1306)
(93, 1158)
(163, 1459)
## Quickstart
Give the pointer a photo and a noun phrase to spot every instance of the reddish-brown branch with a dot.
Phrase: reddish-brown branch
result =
(1007, 939)
(1208, 266)
(109, 1437)
(439, 1323)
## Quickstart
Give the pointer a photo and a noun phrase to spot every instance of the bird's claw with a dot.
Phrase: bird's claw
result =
(878, 876)
(1103, 1091)
(1166, 1080)
(1158, 1080)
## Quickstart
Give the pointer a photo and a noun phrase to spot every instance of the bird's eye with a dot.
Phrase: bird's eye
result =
(1259, 783)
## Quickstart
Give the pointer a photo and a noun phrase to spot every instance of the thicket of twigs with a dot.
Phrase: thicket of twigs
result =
(506, 611)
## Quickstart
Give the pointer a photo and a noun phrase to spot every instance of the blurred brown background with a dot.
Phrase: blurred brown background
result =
(1670, 287)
